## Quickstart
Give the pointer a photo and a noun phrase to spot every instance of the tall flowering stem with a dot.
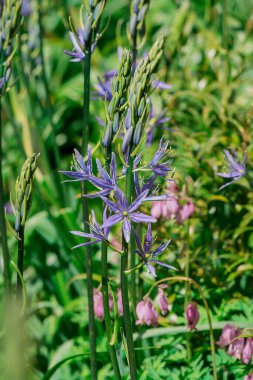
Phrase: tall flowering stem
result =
(85, 207)
(10, 21)
(84, 41)
(124, 284)
(6, 256)
(187, 290)
(193, 282)
(105, 292)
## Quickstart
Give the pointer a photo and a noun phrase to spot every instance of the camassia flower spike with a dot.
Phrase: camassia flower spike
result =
(147, 255)
(234, 168)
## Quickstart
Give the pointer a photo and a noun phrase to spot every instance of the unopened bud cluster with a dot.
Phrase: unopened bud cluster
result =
(138, 103)
(10, 22)
(119, 97)
(139, 9)
(24, 186)
(87, 36)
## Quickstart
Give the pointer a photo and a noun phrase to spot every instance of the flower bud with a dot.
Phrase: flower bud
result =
(247, 351)
(107, 136)
(127, 139)
(163, 301)
(192, 315)
(146, 313)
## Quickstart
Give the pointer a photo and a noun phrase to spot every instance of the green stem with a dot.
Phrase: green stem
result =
(191, 281)
(187, 292)
(124, 285)
(107, 317)
(20, 264)
(105, 292)
(85, 207)
(225, 38)
(6, 256)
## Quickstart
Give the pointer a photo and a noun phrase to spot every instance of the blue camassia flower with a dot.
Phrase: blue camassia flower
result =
(160, 164)
(126, 213)
(147, 255)
(97, 233)
(234, 168)
(81, 171)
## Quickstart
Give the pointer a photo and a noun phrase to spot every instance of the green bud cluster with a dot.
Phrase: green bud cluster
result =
(24, 186)
(139, 9)
(10, 22)
(117, 104)
(138, 104)
(156, 52)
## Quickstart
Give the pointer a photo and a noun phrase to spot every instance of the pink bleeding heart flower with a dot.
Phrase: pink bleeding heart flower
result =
(247, 351)
(163, 301)
(228, 333)
(192, 315)
(146, 313)
(185, 212)
(248, 377)
(120, 304)
(236, 348)
(99, 304)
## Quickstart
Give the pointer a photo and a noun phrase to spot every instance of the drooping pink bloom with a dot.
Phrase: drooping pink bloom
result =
(247, 351)
(146, 313)
(248, 377)
(120, 304)
(229, 332)
(163, 301)
(173, 188)
(165, 209)
(185, 212)
(236, 348)
(110, 302)
(99, 304)
(192, 315)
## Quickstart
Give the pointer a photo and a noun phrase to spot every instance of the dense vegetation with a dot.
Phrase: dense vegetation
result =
(199, 79)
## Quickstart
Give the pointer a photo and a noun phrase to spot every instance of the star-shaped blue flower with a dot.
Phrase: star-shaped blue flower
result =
(147, 255)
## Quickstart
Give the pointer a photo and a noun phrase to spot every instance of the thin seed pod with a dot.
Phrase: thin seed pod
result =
(116, 107)
(24, 186)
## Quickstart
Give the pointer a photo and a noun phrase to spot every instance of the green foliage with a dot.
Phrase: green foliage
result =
(210, 108)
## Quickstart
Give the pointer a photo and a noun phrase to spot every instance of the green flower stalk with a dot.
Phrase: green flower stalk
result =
(24, 188)
(84, 41)
(10, 21)
(135, 121)
(114, 114)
